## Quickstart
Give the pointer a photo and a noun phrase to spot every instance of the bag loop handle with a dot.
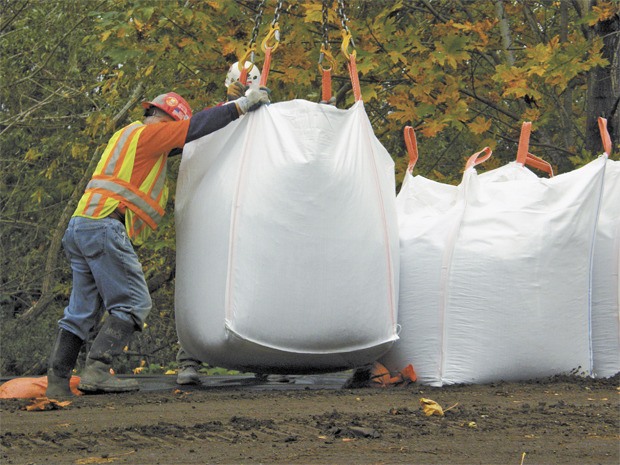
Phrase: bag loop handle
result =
(478, 158)
(412, 147)
(605, 137)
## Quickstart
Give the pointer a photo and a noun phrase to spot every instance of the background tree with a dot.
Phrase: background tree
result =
(464, 74)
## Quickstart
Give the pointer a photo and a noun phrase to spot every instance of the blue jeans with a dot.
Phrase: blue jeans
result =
(106, 275)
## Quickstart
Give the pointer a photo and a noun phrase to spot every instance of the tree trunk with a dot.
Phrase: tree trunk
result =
(567, 96)
(603, 95)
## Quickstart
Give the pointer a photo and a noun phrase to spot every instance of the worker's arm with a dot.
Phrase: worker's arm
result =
(210, 120)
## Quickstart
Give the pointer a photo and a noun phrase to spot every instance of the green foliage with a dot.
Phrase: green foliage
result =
(442, 67)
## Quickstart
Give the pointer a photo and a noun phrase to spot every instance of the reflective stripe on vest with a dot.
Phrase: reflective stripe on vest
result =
(130, 195)
(110, 184)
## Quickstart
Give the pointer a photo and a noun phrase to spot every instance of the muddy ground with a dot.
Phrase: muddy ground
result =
(563, 420)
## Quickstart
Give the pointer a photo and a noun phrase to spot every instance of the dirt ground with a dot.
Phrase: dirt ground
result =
(562, 420)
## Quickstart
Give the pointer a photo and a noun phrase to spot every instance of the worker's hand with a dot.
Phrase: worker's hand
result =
(252, 100)
(235, 90)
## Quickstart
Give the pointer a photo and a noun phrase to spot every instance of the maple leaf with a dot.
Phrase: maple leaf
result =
(432, 128)
(479, 125)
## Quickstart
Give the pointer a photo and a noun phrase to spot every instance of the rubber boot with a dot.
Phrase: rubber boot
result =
(188, 375)
(62, 361)
(188, 368)
(109, 343)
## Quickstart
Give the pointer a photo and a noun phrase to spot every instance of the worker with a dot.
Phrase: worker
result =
(187, 366)
(123, 202)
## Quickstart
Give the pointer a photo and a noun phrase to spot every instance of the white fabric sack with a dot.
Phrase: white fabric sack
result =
(605, 278)
(519, 284)
(495, 278)
(429, 215)
(287, 242)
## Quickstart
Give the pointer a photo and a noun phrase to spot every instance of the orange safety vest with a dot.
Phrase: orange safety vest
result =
(110, 185)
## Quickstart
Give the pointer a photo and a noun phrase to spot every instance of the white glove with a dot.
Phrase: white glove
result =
(253, 99)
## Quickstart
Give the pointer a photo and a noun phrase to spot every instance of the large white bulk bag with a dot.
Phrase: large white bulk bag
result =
(495, 275)
(287, 242)
(518, 303)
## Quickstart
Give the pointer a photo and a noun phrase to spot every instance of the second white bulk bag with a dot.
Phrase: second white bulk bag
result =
(495, 274)
(518, 305)
(287, 242)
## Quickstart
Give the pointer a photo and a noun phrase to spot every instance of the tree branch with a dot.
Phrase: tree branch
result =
(51, 53)
(12, 18)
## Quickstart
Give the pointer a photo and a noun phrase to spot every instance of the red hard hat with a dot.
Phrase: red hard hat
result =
(171, 103)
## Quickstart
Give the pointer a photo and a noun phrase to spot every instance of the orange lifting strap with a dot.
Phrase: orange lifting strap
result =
(249, 55)
(326, 73)
(524, 157)
(539, 163)
(606, 138)
(351, 65)
(269, 45)
(412, 147)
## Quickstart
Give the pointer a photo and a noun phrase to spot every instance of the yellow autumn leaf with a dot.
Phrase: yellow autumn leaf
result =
(605, 11)
(431, 407)
(432, 128)
(170, 372)
(479, 125)
(537, 69)
(32, 154)
(140, 368)
(396, 56)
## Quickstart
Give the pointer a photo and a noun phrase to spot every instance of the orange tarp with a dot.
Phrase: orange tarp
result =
(30, 388)
(381, 375)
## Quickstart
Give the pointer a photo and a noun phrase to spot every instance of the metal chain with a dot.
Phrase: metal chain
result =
(343, 19)
(325, 20)
(257, 21)
(276, 13)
